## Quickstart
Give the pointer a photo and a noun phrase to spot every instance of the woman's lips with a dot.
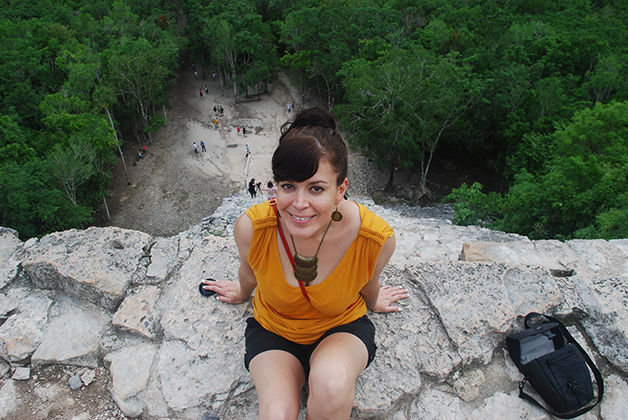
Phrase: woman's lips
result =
(300, 219)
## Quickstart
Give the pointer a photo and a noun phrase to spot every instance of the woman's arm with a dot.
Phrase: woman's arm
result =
(238, 291)
(379, 299)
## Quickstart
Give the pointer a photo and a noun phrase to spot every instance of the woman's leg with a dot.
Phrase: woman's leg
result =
(334, 367)
(278, 378)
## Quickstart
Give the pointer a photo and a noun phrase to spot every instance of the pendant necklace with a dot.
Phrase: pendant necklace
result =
(305, 268)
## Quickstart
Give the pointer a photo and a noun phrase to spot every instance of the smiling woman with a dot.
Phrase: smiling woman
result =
(310, 307)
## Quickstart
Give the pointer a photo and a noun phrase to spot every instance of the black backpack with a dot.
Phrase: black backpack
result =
(553, 362)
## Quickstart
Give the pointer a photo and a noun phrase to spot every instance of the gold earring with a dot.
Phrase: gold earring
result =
(336, 216)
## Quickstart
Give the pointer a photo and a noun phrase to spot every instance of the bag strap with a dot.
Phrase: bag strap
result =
(596, 372)
(273, 204)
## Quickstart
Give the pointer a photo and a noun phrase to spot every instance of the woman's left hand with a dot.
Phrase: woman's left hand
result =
(389, 295)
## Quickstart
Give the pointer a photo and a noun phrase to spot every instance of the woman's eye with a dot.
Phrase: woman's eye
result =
(287, 186)
(317, 189)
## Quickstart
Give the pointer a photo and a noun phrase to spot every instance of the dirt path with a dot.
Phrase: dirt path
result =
(172, 187)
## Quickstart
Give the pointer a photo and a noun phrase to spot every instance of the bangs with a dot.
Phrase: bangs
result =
(296, 159)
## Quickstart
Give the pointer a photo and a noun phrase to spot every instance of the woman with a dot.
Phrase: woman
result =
(271, 190)
(252, 188)
(315, 260)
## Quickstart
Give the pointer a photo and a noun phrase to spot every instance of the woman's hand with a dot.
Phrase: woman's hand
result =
(387, 296)
(227, 291)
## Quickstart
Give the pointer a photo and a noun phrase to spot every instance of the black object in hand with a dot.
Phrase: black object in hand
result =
(206, 292)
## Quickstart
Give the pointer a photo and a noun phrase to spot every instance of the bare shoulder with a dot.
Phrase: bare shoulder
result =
(243, 231)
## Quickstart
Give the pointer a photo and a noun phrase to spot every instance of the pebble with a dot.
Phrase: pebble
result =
(75, 382)
(21, 374)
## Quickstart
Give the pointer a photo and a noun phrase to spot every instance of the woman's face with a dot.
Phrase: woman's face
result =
(306, 206)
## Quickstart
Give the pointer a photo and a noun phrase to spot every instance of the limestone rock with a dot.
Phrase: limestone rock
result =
(21, 374)
(615, 402)
(137, 311)
(467, 387)
(477, 303)
(508, 406)
(10, 246)
(73, 334)
(433, 404)
(25, 327)
(600, 258)
(95, 265)
(163, 254)
(88, 377)
(176, 354)
(130, 369)
(606, 303)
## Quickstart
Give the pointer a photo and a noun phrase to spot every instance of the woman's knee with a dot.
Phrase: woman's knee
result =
(280, 409)
(331, 381)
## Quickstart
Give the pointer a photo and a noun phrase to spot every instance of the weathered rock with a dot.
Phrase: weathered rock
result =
(75, 382)
(130, 371)
(73, 334)
(507, 406)
(468, 386)
(95, 265)
(21, 374)
(88, 377)
(175, 354)
(25, 327)
(163, 254)
(605, 301)
(615, 404)
(10, 245)
(477, 303)
(137, 311)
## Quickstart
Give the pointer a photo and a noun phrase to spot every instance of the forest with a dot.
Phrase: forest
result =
(536, 89)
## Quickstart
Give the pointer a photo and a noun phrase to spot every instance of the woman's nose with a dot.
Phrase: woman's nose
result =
(300, 199)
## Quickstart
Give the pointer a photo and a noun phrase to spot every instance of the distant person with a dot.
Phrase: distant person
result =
(214, 76)
(238, 128)
(252, 188)
(248, 151)
(206, 90)
(200, 92)
(244, 131)
(196, 75)
(271, 190)
(193, 67)
(289, 104)
(195, 148)
(203, 149)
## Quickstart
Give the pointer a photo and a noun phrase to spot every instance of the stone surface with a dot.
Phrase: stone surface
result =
(163, 254)
(96, 264)
(21, 374)
(116, 296)
(615, 406)
(10, 245)
(25, 327)
(73, 334)
(137, 311)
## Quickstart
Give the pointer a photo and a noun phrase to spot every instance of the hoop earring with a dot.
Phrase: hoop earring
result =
(336, 216)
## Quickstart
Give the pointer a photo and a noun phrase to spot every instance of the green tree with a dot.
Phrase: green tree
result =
(73, 165)
(399, 106)
(584, 186)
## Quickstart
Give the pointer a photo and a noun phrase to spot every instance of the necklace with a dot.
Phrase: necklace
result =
(306, 268)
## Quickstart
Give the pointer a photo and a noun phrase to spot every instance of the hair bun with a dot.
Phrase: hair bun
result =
(315, 117)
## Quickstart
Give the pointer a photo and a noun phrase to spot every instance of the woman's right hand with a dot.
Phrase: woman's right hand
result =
(227, 291)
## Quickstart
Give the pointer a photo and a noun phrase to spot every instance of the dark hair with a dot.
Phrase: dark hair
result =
(269, 185)
(311, 137)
